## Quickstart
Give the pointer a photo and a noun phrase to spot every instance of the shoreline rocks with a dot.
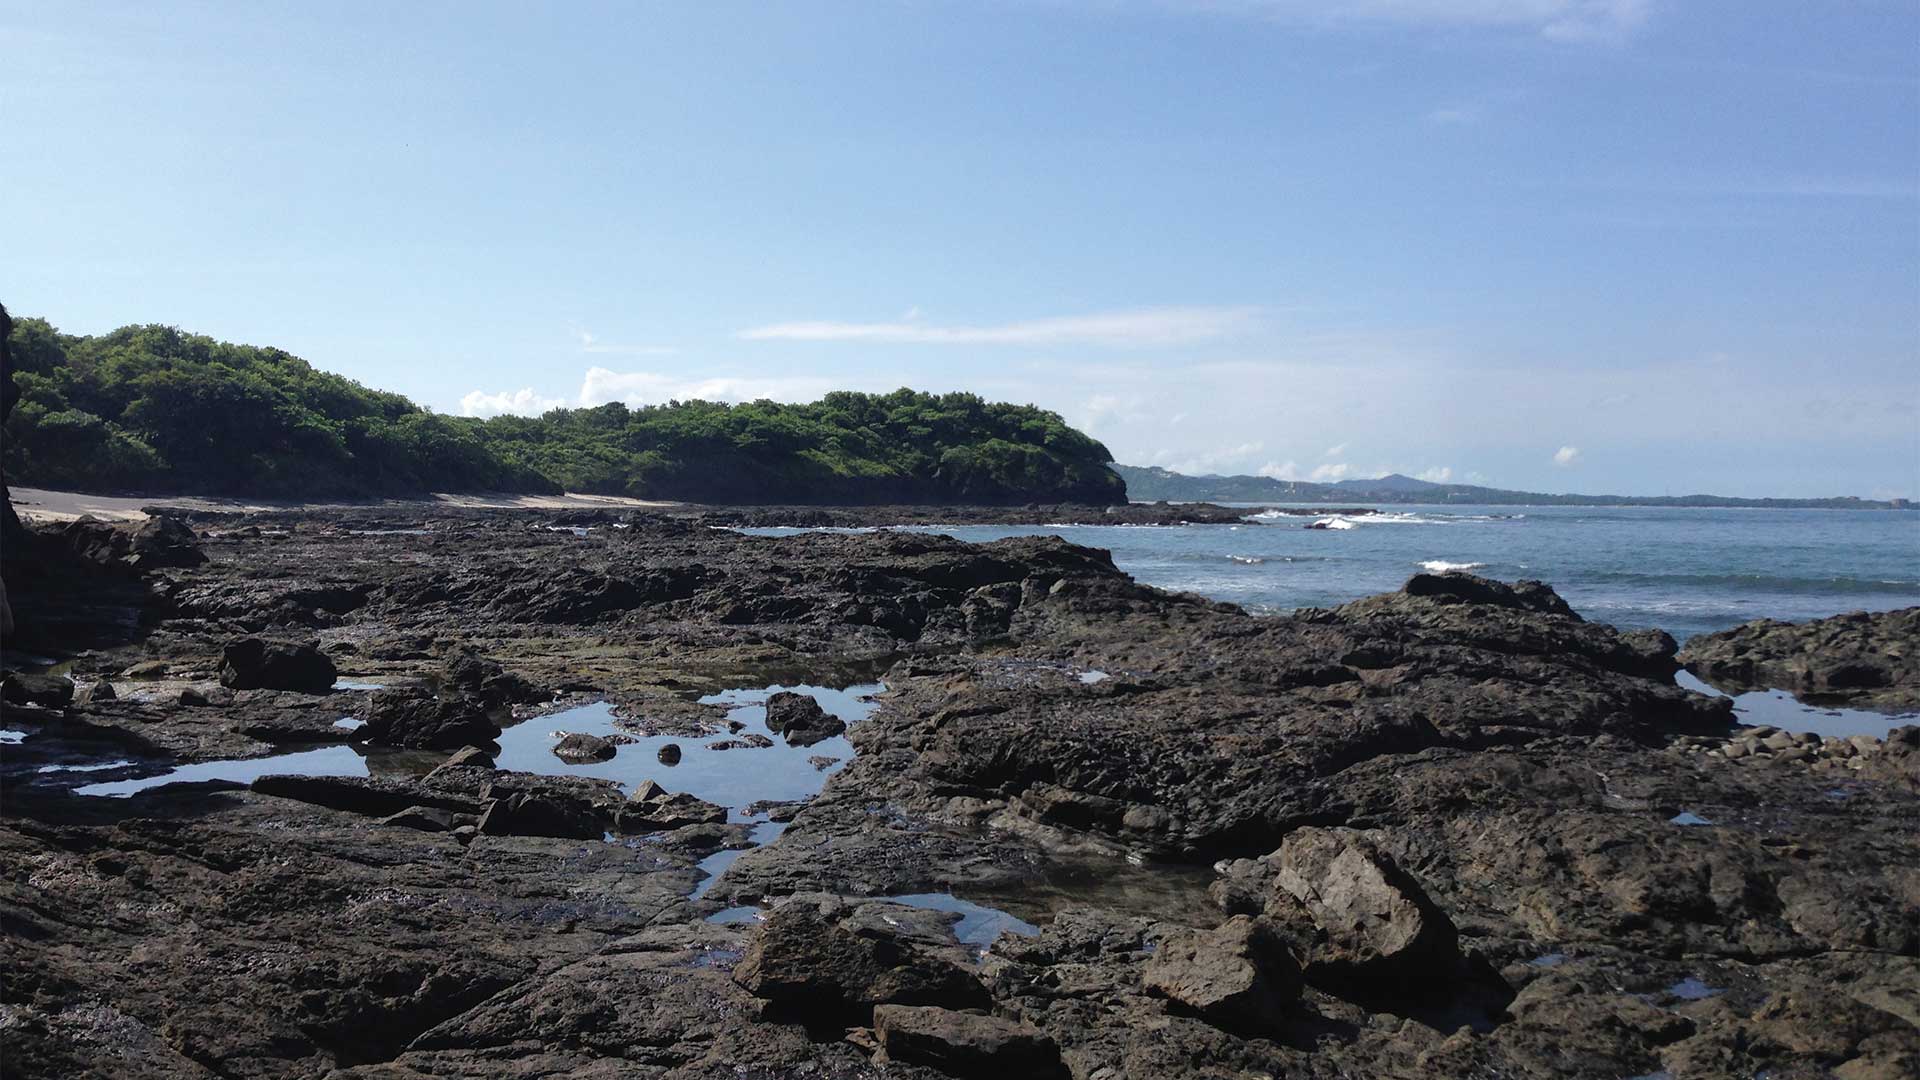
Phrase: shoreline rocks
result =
(1506, 843)
(1869, 660)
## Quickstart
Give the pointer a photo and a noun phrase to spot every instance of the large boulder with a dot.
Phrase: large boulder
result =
(1238, 976)
(800, 719)
(156, 542)
(580, 748)
(826, 958)
(962, 1043)
(422, 720)
(47, 691)
(1371, 922)
(256, 663)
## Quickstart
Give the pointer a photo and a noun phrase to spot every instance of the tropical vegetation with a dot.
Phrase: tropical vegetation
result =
(156, 410)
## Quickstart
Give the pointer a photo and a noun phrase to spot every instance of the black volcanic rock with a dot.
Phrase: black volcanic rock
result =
(1869, 658)
(800, 719)
(1625, 895)
(255, 663)
(423, 720)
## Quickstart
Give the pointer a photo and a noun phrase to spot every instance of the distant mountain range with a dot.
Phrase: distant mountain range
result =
(1153, 485)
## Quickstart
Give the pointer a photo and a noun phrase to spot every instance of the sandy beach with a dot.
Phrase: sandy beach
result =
(40, 504)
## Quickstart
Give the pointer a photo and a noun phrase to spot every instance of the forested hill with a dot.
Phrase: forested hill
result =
(153, 410)
(1154, 484)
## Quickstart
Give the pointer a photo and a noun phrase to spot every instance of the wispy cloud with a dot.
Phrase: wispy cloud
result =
(1438, 474)
(591, 344)
(1319, 474)
(1454, 116)
(1210, 461)
(1566, 455)
(1145, 327)
(1558, 20)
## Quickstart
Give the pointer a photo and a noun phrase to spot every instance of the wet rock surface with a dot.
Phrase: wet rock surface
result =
(800, 719)
(1867, 659)
(1453, 830)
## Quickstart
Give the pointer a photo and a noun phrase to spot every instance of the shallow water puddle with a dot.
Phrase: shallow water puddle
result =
(1778, 708)
(764, 832)
(979, 925)
(733, 778)
(1687, 817)
(357, 684)
(326, 761)
(1692, 988)
(10, 737)
(737, 916)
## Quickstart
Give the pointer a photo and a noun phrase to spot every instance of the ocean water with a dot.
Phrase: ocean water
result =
(1686, 571)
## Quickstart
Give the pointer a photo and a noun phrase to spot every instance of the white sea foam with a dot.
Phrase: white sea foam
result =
(1334, 523)
(1441, 566)
(1249, 560)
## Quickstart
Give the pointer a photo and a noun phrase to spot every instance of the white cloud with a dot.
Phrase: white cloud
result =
(1319, 474)
(1213, 461)
(1559, 20)
(591, 344)
(1566, 456)
(522, 402)
(602, 386)
(1143, 327)
(1454, 117)
(1439, 474)
(1336, 451)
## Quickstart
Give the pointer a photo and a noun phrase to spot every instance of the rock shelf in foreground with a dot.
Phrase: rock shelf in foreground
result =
(1453, 830)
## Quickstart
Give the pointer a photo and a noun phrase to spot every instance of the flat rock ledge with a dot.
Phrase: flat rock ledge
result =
(1451, 830)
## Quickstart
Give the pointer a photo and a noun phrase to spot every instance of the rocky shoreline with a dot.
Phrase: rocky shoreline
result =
(1453, 830)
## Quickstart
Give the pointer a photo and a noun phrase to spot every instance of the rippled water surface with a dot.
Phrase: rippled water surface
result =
(1686, 571)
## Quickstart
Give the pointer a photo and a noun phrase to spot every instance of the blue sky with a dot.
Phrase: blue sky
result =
(1591, 245)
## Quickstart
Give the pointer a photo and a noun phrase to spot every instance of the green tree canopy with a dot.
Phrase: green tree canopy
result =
(153, 409)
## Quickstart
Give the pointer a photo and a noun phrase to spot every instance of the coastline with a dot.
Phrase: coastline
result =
(1119, 776)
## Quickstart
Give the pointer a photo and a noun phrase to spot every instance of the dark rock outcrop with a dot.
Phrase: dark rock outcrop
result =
(523, 804)
(964, 1044)
(576, 746)
(652, 808)
(1868, 659)
(423, 720)
(152, 544)
(255, 663)
(800, 719)
(823, 958)
(46, 691)
(487, 682)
